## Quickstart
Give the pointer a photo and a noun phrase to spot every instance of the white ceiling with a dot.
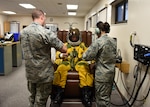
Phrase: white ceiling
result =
(50, 7)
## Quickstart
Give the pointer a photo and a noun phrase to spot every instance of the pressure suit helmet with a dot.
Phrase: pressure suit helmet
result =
(74, 37)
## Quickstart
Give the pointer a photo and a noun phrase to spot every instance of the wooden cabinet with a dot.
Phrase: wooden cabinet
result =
(6, 26)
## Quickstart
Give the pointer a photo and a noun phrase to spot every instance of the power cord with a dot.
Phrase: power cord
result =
(140, 85)
(131, 95)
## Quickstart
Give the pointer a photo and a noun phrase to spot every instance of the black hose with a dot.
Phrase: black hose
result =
(140, 85)
(131, 96)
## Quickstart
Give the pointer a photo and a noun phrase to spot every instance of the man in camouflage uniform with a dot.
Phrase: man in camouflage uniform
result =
(36, 42)
(103, 50)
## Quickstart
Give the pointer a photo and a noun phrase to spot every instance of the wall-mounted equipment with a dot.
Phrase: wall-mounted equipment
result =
(139, 53)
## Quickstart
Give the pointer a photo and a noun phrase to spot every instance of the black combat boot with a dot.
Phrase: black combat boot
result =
(59, 95)
(54, 92)
(87, 96)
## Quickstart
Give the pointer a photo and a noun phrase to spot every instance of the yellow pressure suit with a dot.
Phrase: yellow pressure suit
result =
(73, 61)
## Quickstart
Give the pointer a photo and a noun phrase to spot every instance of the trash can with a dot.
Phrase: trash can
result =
(16, 37)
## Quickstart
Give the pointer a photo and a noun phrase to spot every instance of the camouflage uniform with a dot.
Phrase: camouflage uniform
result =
(36, 42)
(103, 50)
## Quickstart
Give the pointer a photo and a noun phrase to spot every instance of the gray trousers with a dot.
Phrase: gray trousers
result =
(102, 93)
(39, 93)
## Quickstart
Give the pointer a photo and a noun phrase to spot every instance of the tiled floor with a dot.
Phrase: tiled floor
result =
(14, 93)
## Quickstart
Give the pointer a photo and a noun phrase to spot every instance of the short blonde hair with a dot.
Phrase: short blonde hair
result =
(37, 13)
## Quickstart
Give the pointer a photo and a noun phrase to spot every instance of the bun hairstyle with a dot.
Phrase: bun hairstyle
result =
(103, 26)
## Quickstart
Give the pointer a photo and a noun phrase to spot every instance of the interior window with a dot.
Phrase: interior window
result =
(122, 12)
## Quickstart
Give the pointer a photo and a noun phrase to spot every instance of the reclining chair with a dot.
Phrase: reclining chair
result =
(72, 91)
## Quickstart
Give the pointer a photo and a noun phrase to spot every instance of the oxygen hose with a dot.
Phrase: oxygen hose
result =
(131, 38)
(146, 55)
(140, 84)
(131, 41)
(131, 95)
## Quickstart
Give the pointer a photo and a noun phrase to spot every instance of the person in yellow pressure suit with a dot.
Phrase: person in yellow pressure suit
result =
(72, 60)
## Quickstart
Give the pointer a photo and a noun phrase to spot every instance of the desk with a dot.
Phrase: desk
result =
(10, 56)
(5, 59)
(16, 54)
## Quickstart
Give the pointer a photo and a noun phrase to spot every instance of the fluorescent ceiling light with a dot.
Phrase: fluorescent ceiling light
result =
(72, 7)
(9, 12)
(72, 13)
(27, 6)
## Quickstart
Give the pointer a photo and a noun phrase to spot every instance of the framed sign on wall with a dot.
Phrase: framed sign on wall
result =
(52, 26)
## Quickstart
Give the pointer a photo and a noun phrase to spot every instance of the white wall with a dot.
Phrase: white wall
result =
(2, 19)
(60, 21)
(139, 21)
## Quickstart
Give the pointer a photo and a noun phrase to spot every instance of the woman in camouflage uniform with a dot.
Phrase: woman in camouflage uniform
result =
(103, 50)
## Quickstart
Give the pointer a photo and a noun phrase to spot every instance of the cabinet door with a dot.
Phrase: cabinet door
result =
(6, 26)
